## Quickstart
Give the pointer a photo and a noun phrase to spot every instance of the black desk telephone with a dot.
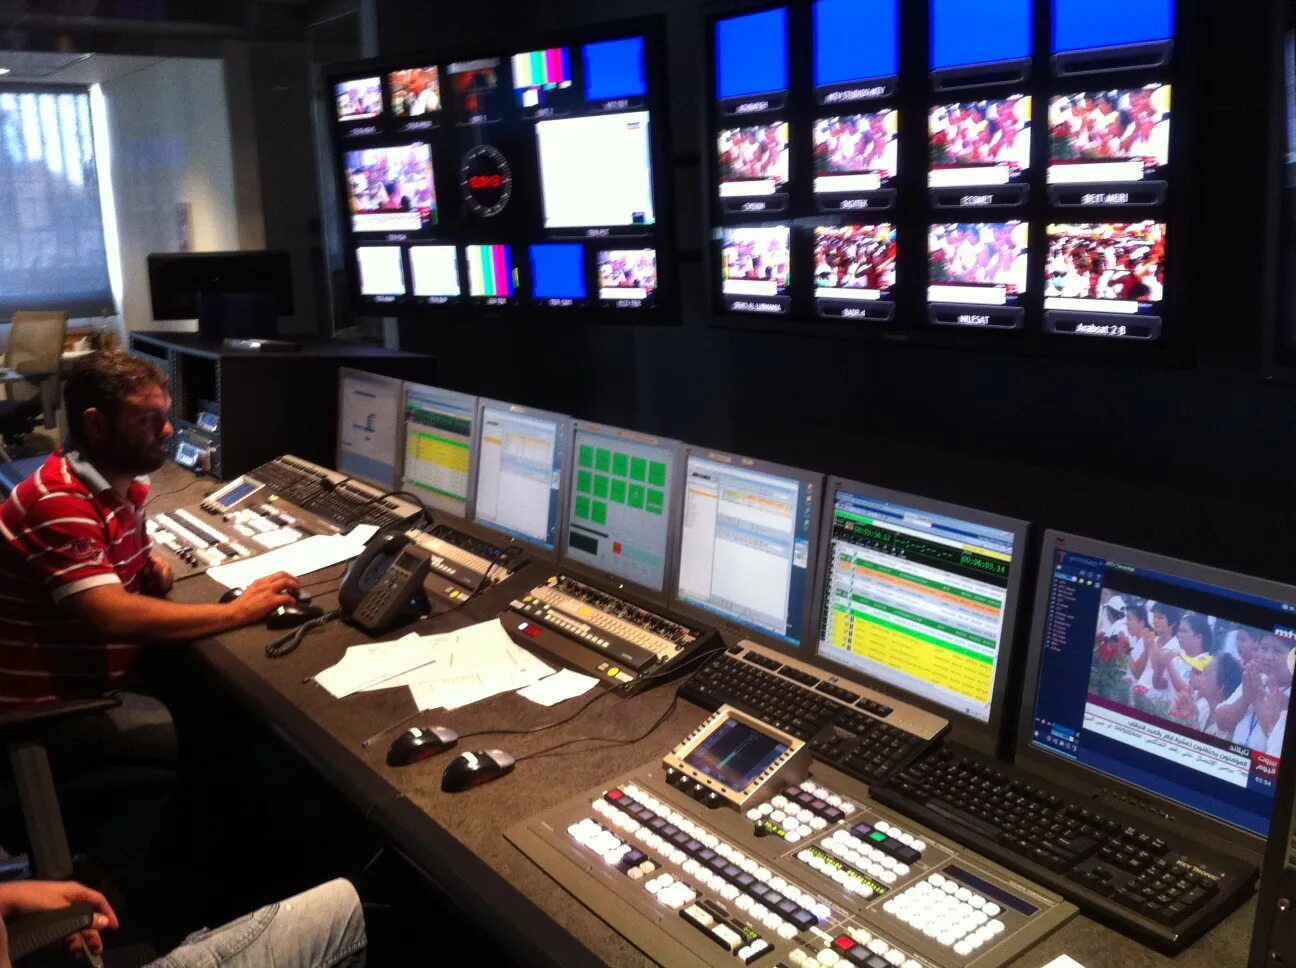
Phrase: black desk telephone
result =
(383, 588)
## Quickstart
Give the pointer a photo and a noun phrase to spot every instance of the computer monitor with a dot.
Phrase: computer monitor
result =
(1169, 679)
(921, 597)
(521, 471)
(747, 544)
(596, 171)
(751, 61)
(369, 421)
(235, 294)
(856, 49)
(623, 510)
(439, 444)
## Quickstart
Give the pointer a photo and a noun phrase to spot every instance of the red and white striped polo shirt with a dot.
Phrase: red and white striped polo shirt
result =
(62, 531)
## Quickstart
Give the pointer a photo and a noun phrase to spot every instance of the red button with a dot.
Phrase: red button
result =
(844, 943)
(534, 631)
(615, 795)
(616, 547)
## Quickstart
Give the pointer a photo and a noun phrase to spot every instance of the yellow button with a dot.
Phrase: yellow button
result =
(528, 599)
(614, 671)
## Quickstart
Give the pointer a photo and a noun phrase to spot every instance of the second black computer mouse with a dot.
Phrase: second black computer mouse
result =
(420, 743)
(468, 770)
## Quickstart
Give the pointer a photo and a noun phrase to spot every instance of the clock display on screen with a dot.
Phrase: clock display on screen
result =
(485, 181)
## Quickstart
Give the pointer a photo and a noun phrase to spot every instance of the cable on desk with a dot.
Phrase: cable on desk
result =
(611, 740)
(288, 643)
(154, 497)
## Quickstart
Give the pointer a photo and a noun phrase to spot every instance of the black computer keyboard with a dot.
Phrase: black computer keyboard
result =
(1150, 883)
(836, 721)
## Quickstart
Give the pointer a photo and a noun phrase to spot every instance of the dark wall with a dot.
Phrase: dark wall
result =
(1195, 461)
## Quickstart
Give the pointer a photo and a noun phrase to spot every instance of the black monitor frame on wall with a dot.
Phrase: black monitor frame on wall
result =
(1280, 294)
(498, 184)
(866, 268)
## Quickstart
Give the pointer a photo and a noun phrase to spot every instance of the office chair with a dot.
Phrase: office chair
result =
(36, 351)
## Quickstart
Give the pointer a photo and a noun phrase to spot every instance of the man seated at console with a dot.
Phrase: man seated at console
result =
(81, 589)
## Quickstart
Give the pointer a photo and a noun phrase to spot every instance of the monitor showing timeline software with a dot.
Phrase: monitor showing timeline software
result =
(521, 471)
(621, 510)
(439, 444)
(921, 596)
(1166, 676)
(746, 544)
(369, 421)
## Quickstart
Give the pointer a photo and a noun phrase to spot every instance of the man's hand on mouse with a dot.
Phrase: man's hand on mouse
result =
(158, 577)
(264, 595)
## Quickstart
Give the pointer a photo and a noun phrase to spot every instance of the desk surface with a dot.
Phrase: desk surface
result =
(457, 839)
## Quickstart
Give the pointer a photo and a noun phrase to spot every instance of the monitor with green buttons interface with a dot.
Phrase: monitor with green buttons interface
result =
(622, 504)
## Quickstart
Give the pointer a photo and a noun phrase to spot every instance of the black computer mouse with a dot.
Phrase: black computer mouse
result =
(468, 770)
(230, 595)
(420, 743)
(291, 616)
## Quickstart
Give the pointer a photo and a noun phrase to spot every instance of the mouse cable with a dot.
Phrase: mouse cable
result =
(153, 497)
(494, 732)
(610, 740)
(288, 643)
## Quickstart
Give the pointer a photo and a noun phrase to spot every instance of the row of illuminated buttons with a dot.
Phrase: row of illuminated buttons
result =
(797, 824)
(763, 879)
(952, 915)
(865, 857)
(856, 947)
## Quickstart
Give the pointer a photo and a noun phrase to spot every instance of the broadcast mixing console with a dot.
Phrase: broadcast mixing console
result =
(277, 504)
(731, 853)
(621, 642)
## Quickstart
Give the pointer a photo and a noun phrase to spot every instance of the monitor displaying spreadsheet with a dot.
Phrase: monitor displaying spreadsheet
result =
(746, 542)
(919, 596)
(521, 471)
(621, 512)
(439, 447)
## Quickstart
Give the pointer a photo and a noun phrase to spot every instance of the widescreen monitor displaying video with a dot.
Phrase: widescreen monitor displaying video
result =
(855, 271)
(597, 171)
(1168, 676)
(981, 269)
(756, 268)
(981, 144)
(359, 100)
(415, 92)
(1113, 137)
(478, 90)
(627, 277)
(538, 74)
(857, 152)
(754, 160)
(434, 271)
(558, 274)
(391, 189)
(1109, 270)
(491, 273)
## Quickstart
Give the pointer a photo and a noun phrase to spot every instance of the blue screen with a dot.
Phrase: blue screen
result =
(751, 54)
(615, 68)
(965, 33)
(1093, 24)
(558, 271)
(1100, 703)
(856, 40)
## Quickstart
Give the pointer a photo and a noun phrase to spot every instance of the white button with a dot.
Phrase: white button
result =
(654, 886)
(910, 963)
(902, 870)
(842, 878)
(936, 879)
(728, 892)
(780, 801)
(805, 816)
(946, 938)
(847, 807)
(963, 894)
(977, 901)
(754, 815)
(827, 957)
(895, 957)
(763, 874)
(634, 873)
(962, 949)
(821, 912)
(818, 823)
(906, 840)
(878, 946)
(647, 867)
(772, 921)
(804, 856)
(758, 912)
(835, 800)
(949, 887)
(749, 865)
(744, 903)
(798, 958)
(996, 926)
(767, 810)
(991, 909)
(793, 837)
(787, 932)
(690, 866)
(778, 816)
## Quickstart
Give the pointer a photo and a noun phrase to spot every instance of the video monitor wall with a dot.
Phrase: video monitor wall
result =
(946, 166)
(518, 181)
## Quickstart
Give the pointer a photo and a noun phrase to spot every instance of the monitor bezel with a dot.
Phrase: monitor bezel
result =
(674, 509)
(1086, 778)
(731, 628)
(993, 737)
(398, 443)
(471, 401)
(563, 439)
(1280, 241)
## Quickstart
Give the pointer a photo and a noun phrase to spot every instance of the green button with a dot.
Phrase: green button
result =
(583, 508)
(657, 473)
(600, 486)
(620, 464)
(618, 492)
(878, 836)
(603, 460)
(584, 482)
(587, 456)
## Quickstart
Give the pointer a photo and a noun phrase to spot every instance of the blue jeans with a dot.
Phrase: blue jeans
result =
(322, 928)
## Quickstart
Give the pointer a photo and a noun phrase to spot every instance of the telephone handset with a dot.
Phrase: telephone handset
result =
(384, 586)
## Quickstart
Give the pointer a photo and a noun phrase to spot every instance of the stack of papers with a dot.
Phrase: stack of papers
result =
(309, 554)
(444, 671)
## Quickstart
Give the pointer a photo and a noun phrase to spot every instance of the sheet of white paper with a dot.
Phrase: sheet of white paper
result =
(1064, 961)
(310, 554)
(363, 666)
(454, 692)
(559, 687)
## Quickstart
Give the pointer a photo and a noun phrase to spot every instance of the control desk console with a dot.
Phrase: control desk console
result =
(808, 872)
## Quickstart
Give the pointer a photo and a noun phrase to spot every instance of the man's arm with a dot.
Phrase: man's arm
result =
(123, 616)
